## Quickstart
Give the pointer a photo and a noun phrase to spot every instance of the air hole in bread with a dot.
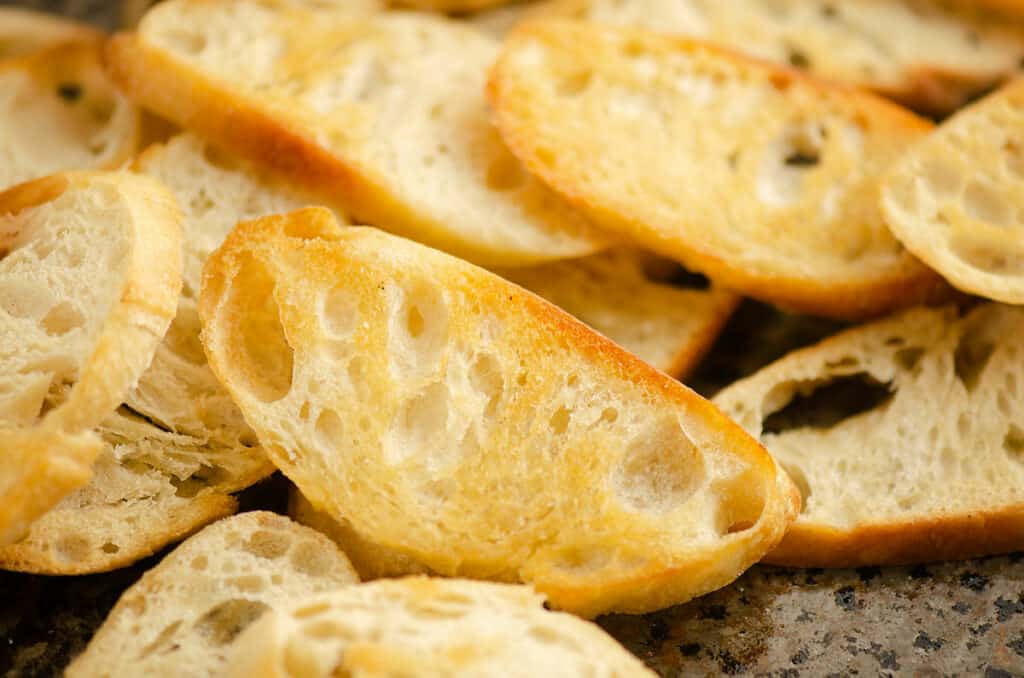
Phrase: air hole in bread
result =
(740, 498)
(986, 205)
(787, 160)
(908, 358)
(205, 477)
(339, 312)
(660, 469)
(267, 544)
(312, 559)
(582, 559)
(575, 84)
(963, 425)
(828, 404)
(797, 58)
(419, 425)
(73, 548)
(328, 629)
(22, 299)
(161, 641)
(987, 256)
(262, 356)
(417, 329)
(61, 319)
(329, 430)
(670, 273)
(948, 459)
(304, 412)
(972, 353)
(486, 377)
(1013, 443)
(799, 478)
(224, 622)
(110, 547)
(219, 158)
(199, 563)
(310, 611)
(609, 415)
(1014, 159)
(191, 42)
(560, 421)
(505, 173)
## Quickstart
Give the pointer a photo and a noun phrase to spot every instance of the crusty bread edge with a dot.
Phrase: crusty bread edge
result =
(851, 299)
(689, 356)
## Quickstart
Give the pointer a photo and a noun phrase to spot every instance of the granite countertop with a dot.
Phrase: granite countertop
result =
(946, 619)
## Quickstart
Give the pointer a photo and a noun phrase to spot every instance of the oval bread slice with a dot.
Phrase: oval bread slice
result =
(90, 269)
(384, 117)
(456, 418)
(182, 616)
(23, 31)
(762, 179)
(954, 198)
(59, 111)
(428, 627)
(931, 55)
(934, 471)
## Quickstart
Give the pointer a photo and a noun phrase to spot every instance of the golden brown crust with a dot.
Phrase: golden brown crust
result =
(23, 31)
(906, 282)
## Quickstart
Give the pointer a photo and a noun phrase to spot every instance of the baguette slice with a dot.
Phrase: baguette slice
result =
(759, 177)
(931, 55)
(178, 449)
(934, 471)
(427, 627)
(181, 617)
(953, 198)
(89, 271)
(475, 428)
(59, 111)
(624, 295)
(23, 31)
(383, 116)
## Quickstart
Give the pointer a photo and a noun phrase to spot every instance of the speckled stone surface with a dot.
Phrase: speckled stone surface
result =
(948, 619)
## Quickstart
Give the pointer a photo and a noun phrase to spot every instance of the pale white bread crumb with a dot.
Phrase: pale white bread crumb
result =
(935, 471)
(90, 268)
(427, 627)
(370, 560)
(182, 616)
(956, 199)
(468, 424)
(932, 55)
(760, 178)
(23, 31)
(59, 111)
(622, 294)
(498, 21)
(383, 116)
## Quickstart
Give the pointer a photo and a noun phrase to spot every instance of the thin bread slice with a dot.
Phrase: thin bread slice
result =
(23, 31)
(953, 199)
(90, 267)
(59, 111)
(928, 466)
(470, 425)
(629, 296)
(383, 117)
(178, 449)
(931, 55)
(427, 627)
(182, 616)
(757, 176)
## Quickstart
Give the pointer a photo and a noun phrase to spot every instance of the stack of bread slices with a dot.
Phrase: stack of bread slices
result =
(447, 265)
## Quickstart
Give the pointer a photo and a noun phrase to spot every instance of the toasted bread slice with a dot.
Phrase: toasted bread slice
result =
(23, 31)
(428, 627)
(182, 616)
(757, 176)
(934, 470)
(90, 267)
(468, 424)
(59, 111)
(383, 116)
(931, 55)
(175, 454)
(629, 297)
(953, 198)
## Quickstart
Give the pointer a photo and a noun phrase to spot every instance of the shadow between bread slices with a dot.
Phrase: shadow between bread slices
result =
(757, 176)
(932, 470)
(416, 396)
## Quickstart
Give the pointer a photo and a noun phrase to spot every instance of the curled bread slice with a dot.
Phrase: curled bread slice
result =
(182, 616)
(59, 111)
(90, 268)
(928, 54)
(382, 116)
(629, 297)
(427, 627)
(759, 177)
(928, 465)
(23, 31)
(175, 453)
(954, 198)
(468, 424)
